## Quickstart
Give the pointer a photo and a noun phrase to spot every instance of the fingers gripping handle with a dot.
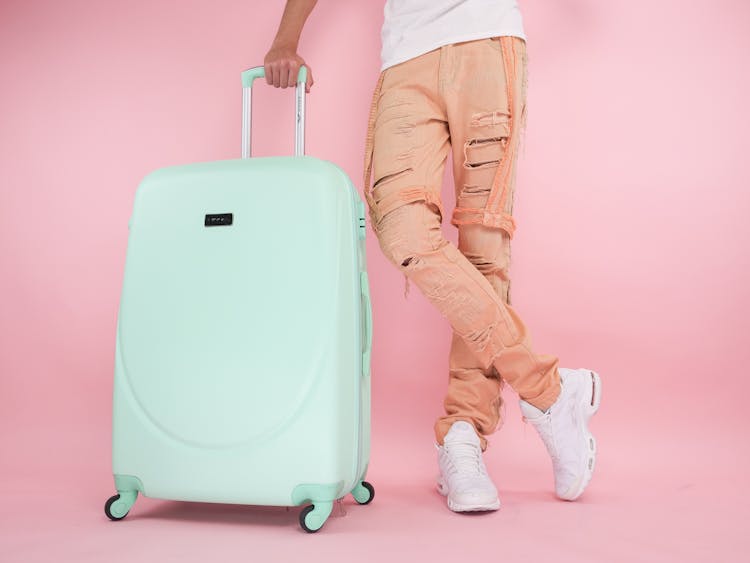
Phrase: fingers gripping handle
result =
(248, 77)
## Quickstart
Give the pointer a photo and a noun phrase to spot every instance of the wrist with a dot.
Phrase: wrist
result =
(285, 43)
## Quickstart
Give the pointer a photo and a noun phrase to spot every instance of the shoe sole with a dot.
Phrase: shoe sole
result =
(588, 404)
(458, 507)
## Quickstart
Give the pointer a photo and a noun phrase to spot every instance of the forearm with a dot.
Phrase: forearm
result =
(292, 21)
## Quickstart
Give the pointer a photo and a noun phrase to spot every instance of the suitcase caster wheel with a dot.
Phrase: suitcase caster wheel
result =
(364, 493)
(116, 509)
(313, 517)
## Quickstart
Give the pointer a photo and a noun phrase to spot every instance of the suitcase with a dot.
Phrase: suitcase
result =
(242, 363)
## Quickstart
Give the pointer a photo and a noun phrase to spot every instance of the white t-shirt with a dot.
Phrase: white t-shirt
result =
(414, 27)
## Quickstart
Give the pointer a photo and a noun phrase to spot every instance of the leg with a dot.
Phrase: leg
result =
(406, 215)
(484, 137)
(407, 140)
(411, 239)
(475, 393)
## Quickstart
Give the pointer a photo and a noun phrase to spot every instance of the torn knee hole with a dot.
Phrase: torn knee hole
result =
(393, 176)
(473, 189)
(476, 259)
(489, 118)
(472, 142)
(484, 266)
(481, 164)
(484, 152)
(411, 261)
(408, 261)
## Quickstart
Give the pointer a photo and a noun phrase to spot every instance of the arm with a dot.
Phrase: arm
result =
(282, 61)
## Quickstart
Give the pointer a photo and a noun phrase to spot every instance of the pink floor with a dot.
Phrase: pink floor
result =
(631, 258)
(672, 491)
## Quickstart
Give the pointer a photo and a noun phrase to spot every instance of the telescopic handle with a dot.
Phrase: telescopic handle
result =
(248, 77)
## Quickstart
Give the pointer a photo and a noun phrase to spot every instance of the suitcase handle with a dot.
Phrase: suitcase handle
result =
(248, 77)
(366, 353)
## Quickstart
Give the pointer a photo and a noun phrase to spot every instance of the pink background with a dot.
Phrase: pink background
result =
(630, 258)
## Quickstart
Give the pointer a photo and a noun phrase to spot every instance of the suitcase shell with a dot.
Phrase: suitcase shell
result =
(243, 349)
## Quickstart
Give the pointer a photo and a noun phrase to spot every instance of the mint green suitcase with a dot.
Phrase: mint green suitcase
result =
(242, 369)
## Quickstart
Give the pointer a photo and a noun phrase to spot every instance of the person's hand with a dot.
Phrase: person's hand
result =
(282, 68)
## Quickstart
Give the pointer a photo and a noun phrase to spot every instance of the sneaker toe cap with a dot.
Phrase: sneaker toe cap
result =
(475, 496)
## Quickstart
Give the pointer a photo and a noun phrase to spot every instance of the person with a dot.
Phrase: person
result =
(454, 79)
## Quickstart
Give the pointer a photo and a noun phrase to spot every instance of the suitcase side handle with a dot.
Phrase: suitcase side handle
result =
(367, 351)
(248, 77)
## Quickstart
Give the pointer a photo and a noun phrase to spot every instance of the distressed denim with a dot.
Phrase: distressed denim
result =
(468, 99)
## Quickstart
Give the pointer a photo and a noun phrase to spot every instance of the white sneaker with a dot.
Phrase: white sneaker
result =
(564, 430)
(463, 477)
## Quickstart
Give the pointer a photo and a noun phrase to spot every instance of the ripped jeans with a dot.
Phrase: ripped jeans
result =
(470, 99)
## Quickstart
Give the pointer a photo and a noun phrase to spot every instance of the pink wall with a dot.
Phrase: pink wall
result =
(630, 255)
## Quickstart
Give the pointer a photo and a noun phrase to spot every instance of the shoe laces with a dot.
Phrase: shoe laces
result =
(465, 458)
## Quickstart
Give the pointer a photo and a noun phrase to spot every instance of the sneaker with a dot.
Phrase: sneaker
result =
(463, 477)
(564, 430)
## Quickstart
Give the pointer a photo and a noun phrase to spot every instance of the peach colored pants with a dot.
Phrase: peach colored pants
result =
(469, 99)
